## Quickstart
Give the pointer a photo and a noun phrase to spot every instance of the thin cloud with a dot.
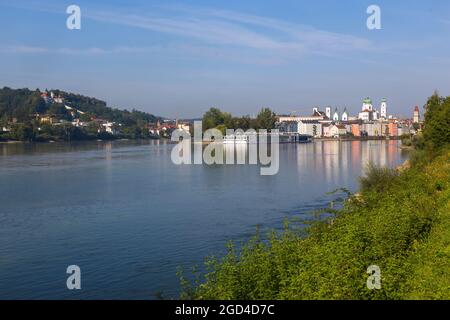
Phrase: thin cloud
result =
(23, 49)
(227, 28)
(299, 33)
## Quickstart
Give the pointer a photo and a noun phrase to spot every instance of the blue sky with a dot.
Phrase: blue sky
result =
(179, 58)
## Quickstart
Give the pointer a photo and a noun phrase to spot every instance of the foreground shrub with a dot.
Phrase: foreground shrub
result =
(377, 178)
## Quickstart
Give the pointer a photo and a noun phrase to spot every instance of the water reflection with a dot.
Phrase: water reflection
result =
(338, 159)
(236, 154)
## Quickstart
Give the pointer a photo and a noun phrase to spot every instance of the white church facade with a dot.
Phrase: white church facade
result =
(336, 116)
(369, 113)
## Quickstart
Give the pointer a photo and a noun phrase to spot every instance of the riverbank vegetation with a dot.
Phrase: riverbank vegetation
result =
(399, 221)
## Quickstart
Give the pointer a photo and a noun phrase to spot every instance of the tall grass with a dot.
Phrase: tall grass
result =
(377, 178)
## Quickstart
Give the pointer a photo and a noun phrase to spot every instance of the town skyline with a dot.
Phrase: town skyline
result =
(295, 111)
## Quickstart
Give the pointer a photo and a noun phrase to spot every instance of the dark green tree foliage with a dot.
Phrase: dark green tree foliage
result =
(133, 132)
(437, 121)
(22, 132)
(266, 119)
(20, 104)
(59, 111)
(243, 123)
(65, 132)
(377, 178)
(99, 109)
(215, 118)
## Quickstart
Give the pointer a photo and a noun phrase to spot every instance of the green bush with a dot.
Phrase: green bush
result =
(437, 121)
(406, 140)
(377, 178)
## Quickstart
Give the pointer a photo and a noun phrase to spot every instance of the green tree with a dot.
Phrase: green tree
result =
(437, 121)
(222, 128)
(214, 117)
(59, 111)
(22, 132)
(85, 117)
(132, 132)
(243, 123)
(266, 119)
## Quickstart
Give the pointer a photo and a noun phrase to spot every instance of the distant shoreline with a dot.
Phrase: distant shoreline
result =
(12, 142)
(358, 139)
(203, 142)
(78, 141)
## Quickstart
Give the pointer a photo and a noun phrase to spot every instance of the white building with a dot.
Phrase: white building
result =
(183, 126)
(368, 113)
(336, 115)
(383, 109)
(344, 116)
(310, 127)
(416, 118)
(334, 131)
(328, 112)
(56, 99)
(372, 129)
(110, 127)
(316, 116)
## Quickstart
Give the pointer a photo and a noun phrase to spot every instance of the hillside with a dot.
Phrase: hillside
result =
(32, 115)
(22, 104)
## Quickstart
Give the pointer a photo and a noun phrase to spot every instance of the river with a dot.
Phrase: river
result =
(128, 217)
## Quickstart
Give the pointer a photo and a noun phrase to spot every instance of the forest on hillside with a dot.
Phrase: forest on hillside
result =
(21, 109)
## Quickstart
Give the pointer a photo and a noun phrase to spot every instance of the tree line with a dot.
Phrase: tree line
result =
(215, 118)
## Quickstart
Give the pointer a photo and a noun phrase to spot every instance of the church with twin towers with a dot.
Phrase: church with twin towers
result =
(367, 113)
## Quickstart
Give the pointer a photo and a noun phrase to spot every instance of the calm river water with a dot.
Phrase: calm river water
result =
(129, 217)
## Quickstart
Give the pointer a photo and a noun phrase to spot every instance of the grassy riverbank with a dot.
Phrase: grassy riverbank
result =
(400, 222)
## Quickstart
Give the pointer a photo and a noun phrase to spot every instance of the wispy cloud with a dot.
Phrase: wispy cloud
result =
(24, 49)
(228, 28)
(297, 34)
